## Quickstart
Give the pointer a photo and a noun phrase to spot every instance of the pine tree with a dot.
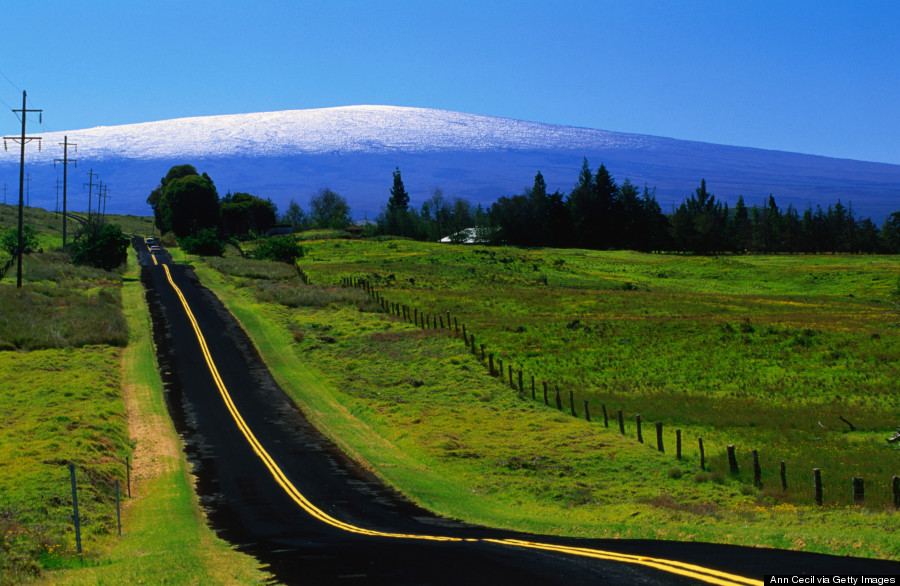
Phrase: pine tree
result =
(399, 200)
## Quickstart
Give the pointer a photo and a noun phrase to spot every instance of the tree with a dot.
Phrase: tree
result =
(295, 216)
(185, 202)
(890, 234)
(10, 239)
(399, 199)
(327, 209)
(100, 245)
(243, 214)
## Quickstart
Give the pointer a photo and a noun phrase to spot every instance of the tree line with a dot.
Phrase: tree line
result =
(600, 214)
(596, 214)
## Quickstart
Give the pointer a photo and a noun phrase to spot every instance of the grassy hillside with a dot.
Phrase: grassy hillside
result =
(79, 385)
(764, 353)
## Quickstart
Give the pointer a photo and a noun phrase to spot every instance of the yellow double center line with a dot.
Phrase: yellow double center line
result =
(675, 567)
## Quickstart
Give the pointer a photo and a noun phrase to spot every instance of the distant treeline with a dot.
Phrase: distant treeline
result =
(599, 214)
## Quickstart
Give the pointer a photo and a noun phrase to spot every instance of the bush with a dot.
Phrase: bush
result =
(280, 249)
(204, 242)
(9, 241)
(102, 246)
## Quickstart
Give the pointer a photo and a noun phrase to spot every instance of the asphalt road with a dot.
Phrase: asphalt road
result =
(356, 530)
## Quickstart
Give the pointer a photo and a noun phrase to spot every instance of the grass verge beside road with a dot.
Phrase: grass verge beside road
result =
(95, 406)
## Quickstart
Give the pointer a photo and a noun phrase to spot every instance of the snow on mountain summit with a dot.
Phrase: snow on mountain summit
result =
(354, 150)
(348, 129)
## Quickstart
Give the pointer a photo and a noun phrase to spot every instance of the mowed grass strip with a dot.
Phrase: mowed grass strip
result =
(420, 410)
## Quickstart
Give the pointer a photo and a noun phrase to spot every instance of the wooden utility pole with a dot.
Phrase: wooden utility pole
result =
(90, 186)
(105, 197)
(65, 162)
(22, 140)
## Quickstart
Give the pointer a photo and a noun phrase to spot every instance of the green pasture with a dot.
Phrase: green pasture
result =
(699, 353)
(766, 353)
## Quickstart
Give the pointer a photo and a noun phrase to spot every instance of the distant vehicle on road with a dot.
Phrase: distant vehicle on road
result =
(150, 241)
(155, 248)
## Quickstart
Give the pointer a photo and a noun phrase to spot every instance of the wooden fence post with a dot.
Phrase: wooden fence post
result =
(118, 509)
(859, 492)
(677, 444)
(482, 347)
(702, 454)
(783, 476)
(640, 436)
(546, 401)
(532, 387)
(572, 402)
(587, 413)
(817, 481)
(605, 417)
(511, 383)
(757, 471)
(895, 488)
(490, 361)
(521, 385)
(75, 516)
(659, 437)
(621, 422)
(732, 461)
(558, 399)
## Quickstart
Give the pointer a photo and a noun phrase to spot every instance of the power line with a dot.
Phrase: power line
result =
(11, 82)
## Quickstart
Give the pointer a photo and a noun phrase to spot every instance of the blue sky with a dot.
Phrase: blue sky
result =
(817, 77)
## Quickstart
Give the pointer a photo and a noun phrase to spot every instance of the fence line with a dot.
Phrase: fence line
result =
(429, 321)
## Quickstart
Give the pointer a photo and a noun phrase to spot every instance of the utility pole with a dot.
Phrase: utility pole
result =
(65, 162)
(57, 195)
(105, 197)
(22, 140)
(28, 190)
(99, 197)
(90, 185)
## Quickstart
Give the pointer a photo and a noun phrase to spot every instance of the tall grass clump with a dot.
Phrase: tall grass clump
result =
(253, 269)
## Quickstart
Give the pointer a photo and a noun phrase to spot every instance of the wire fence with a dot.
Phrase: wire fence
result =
(886, 492)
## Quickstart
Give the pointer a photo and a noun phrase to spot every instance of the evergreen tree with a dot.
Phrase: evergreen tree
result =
(890, 234)
(399, 199)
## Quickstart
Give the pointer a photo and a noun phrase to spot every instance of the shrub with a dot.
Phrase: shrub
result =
(280, 249)
(102, 246)
(203, 242)
(9, 240)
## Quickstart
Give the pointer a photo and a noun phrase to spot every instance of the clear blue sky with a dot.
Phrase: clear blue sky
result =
(818, 77)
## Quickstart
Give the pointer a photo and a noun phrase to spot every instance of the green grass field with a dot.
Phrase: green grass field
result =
(79, 384)
(687, 341)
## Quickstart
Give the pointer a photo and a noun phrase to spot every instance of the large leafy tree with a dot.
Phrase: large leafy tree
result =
(243, 213)
(185, 202)
(327, 209)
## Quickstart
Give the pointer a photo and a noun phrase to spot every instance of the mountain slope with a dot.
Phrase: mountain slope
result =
(353, 150)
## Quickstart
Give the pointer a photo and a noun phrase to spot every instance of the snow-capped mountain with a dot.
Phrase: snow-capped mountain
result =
(354, 150)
